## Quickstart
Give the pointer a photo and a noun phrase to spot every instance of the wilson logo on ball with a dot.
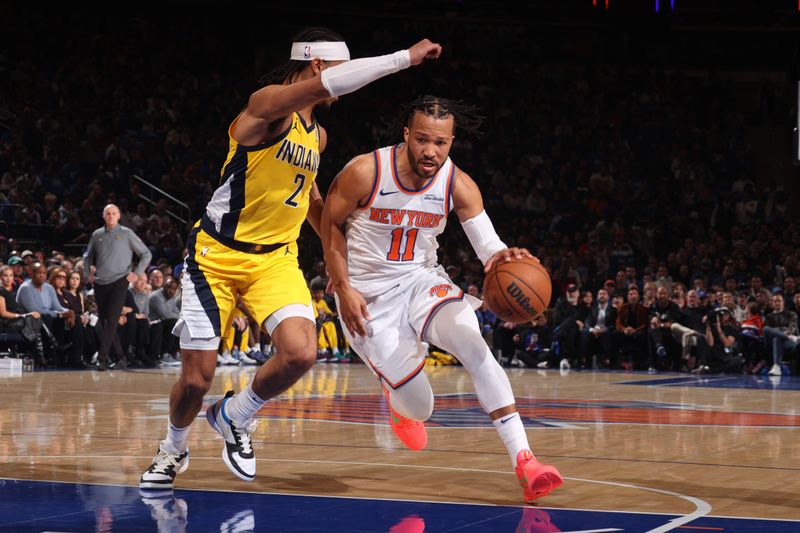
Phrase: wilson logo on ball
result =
(519, 296)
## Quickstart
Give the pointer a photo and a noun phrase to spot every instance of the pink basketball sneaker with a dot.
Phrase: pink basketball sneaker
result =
(537, 480)
(410, 432)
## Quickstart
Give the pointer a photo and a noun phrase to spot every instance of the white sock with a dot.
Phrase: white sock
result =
(512, 433)
(177, 438)
(242, 407)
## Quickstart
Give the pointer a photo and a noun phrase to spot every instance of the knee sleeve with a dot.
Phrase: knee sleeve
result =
(414, 398)
(455, 329)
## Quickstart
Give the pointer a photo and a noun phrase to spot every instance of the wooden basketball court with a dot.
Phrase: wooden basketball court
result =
(639, 453)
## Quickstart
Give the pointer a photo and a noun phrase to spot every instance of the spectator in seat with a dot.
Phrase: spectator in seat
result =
(631, 335)
(780, 333)
(620, 281)
(631, 277)
(13, 318)
(156, 279)
(567, 326)
(751, 330)
(165, 309)
(740, 309)
(649, 294)
(756, 285)
(39, 296)
(599, 328)
(135, 333)
(536, 340)
(662, 349)
(75, 288)
(327, 336)
(18, 269)
(679, 294)
(58, 279)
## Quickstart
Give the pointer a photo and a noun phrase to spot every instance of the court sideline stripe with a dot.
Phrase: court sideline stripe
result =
(474, 504)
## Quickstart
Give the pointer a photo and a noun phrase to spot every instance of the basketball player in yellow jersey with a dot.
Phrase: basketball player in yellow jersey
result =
(245, 244)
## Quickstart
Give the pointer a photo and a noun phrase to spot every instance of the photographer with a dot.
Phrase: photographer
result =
(722, 334)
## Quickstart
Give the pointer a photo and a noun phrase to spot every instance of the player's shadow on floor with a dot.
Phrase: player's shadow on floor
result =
(308, 483)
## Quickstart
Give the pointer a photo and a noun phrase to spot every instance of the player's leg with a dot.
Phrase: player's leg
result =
(395, 355)
(207, 302)
(232, 417)
(294, 334)
(453, 326)
(276, 295)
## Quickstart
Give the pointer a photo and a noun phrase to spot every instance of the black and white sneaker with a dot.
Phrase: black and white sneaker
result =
(238, 451)
(166, 465)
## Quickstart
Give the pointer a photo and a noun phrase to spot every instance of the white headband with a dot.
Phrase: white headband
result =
(327, 50)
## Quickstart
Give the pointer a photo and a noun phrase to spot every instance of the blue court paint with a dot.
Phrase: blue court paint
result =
(30, 506)
(724, 381)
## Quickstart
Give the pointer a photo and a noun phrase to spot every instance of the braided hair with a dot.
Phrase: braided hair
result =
(290, 69)
(465, 117)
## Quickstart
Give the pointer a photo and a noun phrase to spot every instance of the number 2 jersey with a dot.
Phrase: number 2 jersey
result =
(264, 192)
(392, 235)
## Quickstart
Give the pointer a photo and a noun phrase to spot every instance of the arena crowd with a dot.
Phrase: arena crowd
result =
(636, 188)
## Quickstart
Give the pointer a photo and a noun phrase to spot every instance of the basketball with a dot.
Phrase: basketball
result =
(518, 290)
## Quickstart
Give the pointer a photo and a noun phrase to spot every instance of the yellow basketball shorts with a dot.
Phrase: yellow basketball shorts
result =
(214, 275)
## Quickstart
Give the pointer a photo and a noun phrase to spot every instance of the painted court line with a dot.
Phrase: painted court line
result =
(702, 508)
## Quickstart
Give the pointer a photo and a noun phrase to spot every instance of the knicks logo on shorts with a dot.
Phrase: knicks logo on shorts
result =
(440, 291)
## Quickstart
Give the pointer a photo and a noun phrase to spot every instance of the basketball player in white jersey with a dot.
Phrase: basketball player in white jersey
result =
(379, 227)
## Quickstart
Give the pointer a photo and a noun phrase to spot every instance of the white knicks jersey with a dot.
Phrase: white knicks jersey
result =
(393, 234)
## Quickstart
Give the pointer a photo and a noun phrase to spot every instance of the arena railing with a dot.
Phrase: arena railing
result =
(183, 214)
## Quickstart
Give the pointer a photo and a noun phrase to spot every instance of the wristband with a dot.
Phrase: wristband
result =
(482, 236)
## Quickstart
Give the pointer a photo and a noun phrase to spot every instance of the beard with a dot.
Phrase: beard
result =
(423, 171)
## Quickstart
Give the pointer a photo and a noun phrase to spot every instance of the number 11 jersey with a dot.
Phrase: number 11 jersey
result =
(391, 237)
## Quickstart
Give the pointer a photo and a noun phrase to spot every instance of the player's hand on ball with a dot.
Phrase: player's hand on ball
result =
(424, 49)
(507, 254)
(353, 311)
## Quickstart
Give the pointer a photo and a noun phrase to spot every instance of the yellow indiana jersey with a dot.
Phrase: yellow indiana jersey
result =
(265, 188)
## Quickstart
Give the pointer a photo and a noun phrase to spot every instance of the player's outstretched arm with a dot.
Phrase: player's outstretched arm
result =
(273, 102)
(353, 184)
(468, 205)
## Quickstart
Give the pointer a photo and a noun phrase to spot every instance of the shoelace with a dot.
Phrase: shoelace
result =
(164, 460)
(242, 437)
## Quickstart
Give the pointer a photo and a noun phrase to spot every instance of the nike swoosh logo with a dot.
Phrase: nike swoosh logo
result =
(384, 193)
(506, 419)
